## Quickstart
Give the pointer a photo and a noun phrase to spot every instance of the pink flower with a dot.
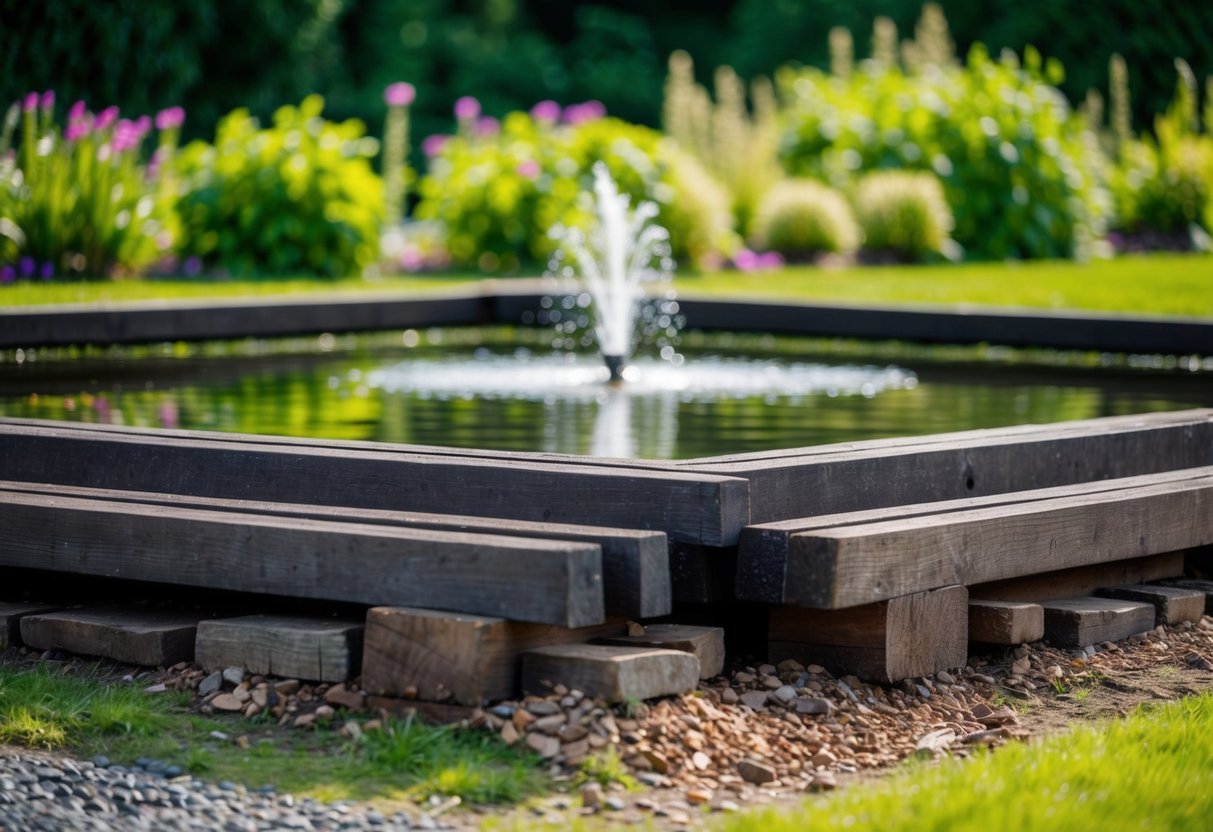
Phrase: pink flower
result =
(106, 117)
(487, 126)
(126, 136)
(76, 129)
(528, 169)
(467, 108)
(586, 111)
(770, 260)
(30, 103)
(399, 94)
(48, 100)
(431, 146)
(546, 111)
(170, 118)
(77, 111)
(746, 260)
(143, 124)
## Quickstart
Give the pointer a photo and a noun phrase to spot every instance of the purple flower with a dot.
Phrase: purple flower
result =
(30, 103)
(48, 100)
(76, 129)
(546, 111)
(143, 124)
(126, 136)
(487, 126)
(467, 108)
(399, 94)
(746, 260)
(586, 111)
(770, 260)
(26, 266)
(528, 169)
(192, 266)
(7, 274)
(106, 117)
(77, 111)
(47, 271)
(170, 118)
(431, 146)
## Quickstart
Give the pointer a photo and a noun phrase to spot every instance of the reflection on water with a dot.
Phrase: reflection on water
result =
(710, 406)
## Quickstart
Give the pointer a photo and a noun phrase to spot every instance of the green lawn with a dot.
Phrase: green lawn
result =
(1157, 284)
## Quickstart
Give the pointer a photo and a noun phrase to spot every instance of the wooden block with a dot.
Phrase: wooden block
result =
(470, 659)
(1172, 604)
(1005, 622)
(151, 637)
(852, 565)
(1198, 585)
(617, 674)
(635, 563)
(762, 553)
(914, 635)
(706, 643)
(547, 581)
(688, 506)
(1081, 622)
(1082, 580)
(11, 613)
(294, 647)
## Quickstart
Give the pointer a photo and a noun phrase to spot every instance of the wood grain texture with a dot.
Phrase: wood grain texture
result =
(1082, 580)
(914, 635)
(687, 506)
(551, 582)
(1194, 583)
(705, 643)
(293, 647)
(978, 466)
(1172, 604)
(617, 674)
(11, 613)
(1005, 623)
(763, 548)
(1081, 622)
(848, 566)
(150, 637)
(635, 563)
(466, 659)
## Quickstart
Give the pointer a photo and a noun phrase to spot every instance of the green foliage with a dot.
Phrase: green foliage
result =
(81, 201)
(904, 213)
(1018, 168)
(800, 218)
(297, 197)
(499, 194)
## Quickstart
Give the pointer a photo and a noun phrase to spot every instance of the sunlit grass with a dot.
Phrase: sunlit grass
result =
(1151, 771)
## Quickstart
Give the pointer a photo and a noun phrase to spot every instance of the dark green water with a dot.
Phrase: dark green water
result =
(351, 388)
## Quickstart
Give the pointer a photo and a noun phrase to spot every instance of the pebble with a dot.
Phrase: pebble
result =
(51, 792)
(755, 772)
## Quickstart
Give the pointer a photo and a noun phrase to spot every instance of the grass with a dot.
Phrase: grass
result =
(1153, 770)
(43, 708)
(1155, 284)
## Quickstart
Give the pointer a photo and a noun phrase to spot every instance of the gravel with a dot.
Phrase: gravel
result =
(47, 792)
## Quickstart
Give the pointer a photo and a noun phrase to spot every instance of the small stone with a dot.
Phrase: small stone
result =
(543, 745)
(287, 686)
(701, 761)
(591, 795)
(698, 797)
(741, 677)
(823, 781)
(233, 675)
(755, 699)
(658, 761)
(728, 696)
(824, 757)
(304, 720)
(1021, 666)
(549, 724)
(814, 707)
(614, 803)
(755, 772)
(227, 702)
(771, 682)
(784, 694)
(522, 718)
(543, 707)
(338, 696)
(635, 629)
(945, 677)
(790, 666)
(157, 688)
(509, 734)
(325, 712)
(210, 684)
(573, 733)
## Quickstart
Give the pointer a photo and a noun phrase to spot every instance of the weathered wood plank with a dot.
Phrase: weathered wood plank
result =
(466, 659)
(617, 674)
(1172, 604)
(1081, 622)
(11, 613)
(687, 506)
(1005, 622)
(854, 565)
(974, 467)
(148, 636)
(1196, 584)
(705, 643)
(1082, 580)
(546, 581)
(635, 563)
(913, 635)
(763, 548)
(294, 647)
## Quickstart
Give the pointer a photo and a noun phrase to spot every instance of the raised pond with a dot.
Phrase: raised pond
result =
(505, 389)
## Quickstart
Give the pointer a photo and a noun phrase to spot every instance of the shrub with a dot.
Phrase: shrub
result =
(81, 201)
(904, 213)
(799, 218)
(296, 198)
(1019, 169)
(498, 190)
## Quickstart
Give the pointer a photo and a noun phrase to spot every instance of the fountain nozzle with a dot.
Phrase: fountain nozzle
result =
(615, 366)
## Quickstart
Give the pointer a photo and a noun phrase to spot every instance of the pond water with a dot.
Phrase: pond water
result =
(470, 388)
